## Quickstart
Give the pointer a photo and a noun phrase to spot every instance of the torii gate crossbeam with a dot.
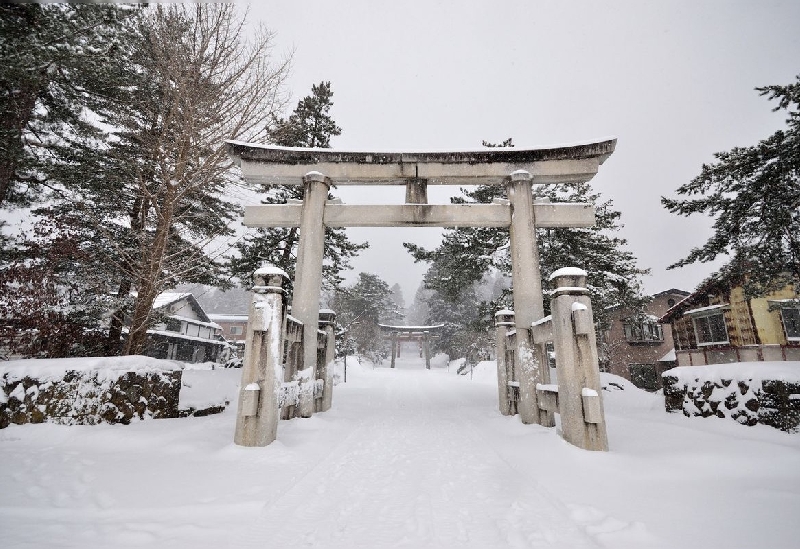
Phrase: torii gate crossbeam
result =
(517, 169)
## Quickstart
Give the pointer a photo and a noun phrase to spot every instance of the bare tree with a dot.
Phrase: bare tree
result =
(204, 84)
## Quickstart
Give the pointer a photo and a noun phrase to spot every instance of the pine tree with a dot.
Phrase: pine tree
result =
(361, 307)
(62, 76)
(59, 64)
(399, 300)
(467, 254)
(418, 311)
(753, 194)
(310, 125)
(150, 198)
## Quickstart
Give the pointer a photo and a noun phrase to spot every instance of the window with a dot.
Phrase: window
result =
(237, 330)
(710, 329)
(645, 331)
(791, 322)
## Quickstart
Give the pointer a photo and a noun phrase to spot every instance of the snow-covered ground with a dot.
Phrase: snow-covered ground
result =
(406, 458)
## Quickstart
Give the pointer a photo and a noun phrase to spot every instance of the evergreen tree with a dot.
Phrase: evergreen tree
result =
(418, 311)
(149, 198)
(753, 194)
(310, 125)
(466, 255)
(62, 76)
(59, 64)
(361, 307)
(399, 300)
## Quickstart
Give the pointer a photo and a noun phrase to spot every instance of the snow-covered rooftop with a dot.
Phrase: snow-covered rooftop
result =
(165, 298)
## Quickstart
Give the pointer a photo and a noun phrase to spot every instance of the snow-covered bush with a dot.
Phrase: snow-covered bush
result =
(747, 392)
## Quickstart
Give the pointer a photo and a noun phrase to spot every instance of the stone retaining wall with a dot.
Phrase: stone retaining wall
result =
(749, 400)
(90, 397)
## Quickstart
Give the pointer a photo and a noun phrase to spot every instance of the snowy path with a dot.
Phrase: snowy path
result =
(416, 472)
(405, 458)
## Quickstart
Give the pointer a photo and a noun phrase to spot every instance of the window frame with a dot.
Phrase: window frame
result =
(796, 310)
(650, 331)
(706, 317)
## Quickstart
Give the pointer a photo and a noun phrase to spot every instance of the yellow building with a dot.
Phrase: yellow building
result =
(718, 324)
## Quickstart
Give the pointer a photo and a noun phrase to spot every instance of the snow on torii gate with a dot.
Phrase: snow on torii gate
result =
(517, 169)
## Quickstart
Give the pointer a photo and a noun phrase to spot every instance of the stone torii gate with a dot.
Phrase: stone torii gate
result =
(420, 334)
(518, 169)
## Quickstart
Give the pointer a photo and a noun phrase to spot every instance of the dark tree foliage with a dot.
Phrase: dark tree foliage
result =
(51, 300)
(310, 125)
(753, 194)
(58, 61)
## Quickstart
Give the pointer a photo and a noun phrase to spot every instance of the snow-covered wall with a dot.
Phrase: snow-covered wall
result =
(82, 391)
(748, 392)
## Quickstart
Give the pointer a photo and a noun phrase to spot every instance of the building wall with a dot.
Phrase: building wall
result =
(229, 321)
(621, 354)
(754, 332)
(768, 323)
(184, 309)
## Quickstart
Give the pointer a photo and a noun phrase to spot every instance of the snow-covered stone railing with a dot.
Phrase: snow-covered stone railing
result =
(747, 392)
(274, 386)
(570, 328)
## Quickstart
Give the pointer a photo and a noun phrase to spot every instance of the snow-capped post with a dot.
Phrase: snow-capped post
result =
(527, 291)
(579, 392)
(503, 319)
(394, 348)
(308, 281)
(426, 345)
(327, 319)
(258, 414)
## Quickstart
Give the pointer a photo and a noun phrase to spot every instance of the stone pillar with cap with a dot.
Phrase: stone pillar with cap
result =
(527, 292)
(503, 321)
(426, 346)
(308, 282)
(327, 320)
(257, 414)
(580, 401)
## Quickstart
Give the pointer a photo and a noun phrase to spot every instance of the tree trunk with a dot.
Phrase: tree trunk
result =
(150, 279)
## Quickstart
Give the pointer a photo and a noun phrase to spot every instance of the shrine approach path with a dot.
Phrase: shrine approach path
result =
(417, 462)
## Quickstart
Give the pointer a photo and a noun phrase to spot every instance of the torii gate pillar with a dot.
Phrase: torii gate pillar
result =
(308, 281)
(528, 301)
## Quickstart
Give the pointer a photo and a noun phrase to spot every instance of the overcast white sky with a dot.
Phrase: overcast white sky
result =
(673, 81)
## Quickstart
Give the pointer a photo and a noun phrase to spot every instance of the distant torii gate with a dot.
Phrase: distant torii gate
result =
(517, 169)
(420, 334)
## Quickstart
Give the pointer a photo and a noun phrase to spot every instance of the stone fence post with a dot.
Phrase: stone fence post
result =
(579, 392)
(503, 320)
(258, 414)
(327, 319)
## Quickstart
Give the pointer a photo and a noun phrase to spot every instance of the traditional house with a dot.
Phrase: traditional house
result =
(185, 331)
(636, 346)
(718, 324)
(234, 327)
